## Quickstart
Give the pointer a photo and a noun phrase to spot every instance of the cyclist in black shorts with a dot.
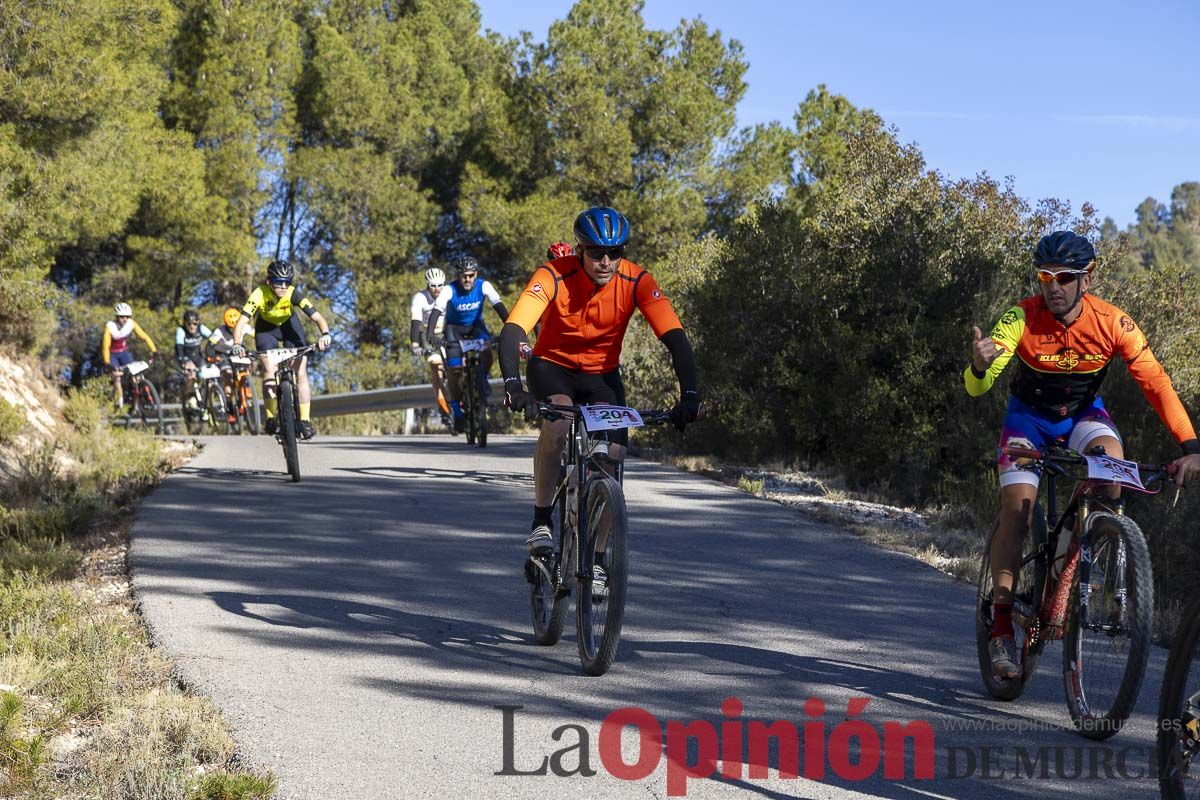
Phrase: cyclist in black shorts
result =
(273, 307)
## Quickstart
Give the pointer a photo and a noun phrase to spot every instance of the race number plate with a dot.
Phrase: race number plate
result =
(1114, 470)
(209, 371)
(610, 418)
(280, 354)
(137, 367)
(239, 360)
(478, 345)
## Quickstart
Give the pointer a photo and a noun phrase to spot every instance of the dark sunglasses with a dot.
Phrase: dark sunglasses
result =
(467, 275)
(280, 282)
(597, 253)
(1063, 276)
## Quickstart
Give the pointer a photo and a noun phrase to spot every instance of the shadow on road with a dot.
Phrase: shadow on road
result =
(728, 597)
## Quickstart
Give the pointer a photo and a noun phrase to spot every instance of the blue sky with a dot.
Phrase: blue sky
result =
(1096, 102)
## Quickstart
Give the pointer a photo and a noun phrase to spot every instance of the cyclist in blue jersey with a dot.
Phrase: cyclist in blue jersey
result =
(462, 304)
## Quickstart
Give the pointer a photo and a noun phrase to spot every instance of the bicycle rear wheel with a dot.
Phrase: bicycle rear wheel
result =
(1179, 712)
(287, 428)
(599, 612)
(1027, 594)
(214, 402)
(548, 599)
(1104, 657)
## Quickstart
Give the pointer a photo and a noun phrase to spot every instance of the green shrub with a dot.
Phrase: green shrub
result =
(12, 421)
(837, 330)
(29, 301)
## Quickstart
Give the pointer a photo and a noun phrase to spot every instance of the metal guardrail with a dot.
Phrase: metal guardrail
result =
(396, 398)
(393, 399)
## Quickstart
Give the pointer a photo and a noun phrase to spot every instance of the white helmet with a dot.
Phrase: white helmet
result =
(123, 310)
(435, 277)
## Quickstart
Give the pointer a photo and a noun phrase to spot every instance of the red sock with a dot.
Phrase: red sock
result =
(1002, 620)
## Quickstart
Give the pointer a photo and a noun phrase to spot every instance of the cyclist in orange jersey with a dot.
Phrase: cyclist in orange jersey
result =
(584, 303)
(1064, 340)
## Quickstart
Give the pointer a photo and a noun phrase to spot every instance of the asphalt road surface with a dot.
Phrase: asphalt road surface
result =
(366, 632)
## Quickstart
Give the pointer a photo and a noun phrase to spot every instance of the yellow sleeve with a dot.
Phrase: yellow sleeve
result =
(1006, 335)
(105, 344)
(145, 337)
(254, 303)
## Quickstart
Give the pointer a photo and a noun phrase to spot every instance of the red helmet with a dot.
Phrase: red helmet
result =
(558, 250)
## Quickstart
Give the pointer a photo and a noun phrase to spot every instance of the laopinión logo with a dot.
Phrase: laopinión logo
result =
(733, 748)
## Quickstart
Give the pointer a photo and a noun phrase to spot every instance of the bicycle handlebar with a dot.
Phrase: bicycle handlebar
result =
(553, 411)
(300, 351)
(1061, 455)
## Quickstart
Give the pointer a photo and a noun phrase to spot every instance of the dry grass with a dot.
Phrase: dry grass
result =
(88, 709)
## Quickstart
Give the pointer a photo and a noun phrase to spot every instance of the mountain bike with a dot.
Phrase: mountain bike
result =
(1179, 712)
(1084, 578)
(475, 390)
(590, 530)
(191, 401)
(141, 397)
(421, 364)
(287, 401)
(245, 397)
(215, 409)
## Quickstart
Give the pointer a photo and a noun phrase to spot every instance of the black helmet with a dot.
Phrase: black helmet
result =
(1064, 248)
(466, 264)
(281, 270)
(191, 315)
(603, 227)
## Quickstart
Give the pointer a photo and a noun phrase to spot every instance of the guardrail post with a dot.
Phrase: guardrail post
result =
(410, 418)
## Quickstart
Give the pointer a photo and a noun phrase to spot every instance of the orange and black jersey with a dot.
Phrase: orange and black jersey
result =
(1061, 367)
(583, 325)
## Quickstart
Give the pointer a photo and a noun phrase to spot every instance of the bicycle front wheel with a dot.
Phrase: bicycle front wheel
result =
(248, 396)
(600, 610)
(287, 428)
(1179, 713)
(1105, 655)
(193, 418)
(1027, 594)
(150, 409)
(470, 400)
(548, 598)
(214, 402)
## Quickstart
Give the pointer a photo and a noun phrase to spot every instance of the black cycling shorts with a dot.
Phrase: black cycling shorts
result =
(289, 334)
(454, 334)
(546, 378)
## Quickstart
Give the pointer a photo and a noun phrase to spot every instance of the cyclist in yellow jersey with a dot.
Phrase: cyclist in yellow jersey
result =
(273, 307)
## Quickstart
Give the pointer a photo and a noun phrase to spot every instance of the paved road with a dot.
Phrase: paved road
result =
(361, 629)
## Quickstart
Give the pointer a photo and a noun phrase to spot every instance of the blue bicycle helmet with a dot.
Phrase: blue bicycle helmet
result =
(1066, 249)
(602, 226)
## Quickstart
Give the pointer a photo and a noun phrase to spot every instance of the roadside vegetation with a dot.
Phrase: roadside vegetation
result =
(151, 151)
(88, 709)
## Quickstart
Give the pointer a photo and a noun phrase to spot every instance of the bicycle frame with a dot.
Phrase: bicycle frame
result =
(1046, 622)
(581, 451)
(576, 444)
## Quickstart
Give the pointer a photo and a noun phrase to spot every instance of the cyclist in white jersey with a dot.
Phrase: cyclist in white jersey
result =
(114, 346)
(421, 307)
